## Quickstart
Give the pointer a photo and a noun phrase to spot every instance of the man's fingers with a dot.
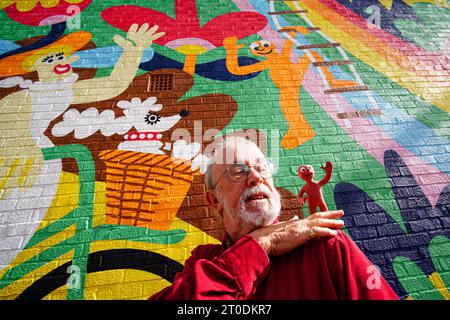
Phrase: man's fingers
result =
(327, 214)
(322, 232)
(327, 223)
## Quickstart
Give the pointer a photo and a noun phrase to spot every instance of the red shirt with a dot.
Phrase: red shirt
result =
(322, 268)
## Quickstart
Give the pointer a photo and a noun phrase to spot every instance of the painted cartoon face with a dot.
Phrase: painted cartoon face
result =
(58, 62)
(54, 66)
(262, 48)
(306, 172)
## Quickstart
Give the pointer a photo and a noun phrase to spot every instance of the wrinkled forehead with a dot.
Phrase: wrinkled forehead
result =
(239, 153)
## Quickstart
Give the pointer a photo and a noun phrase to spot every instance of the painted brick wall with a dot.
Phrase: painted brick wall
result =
(105, 124)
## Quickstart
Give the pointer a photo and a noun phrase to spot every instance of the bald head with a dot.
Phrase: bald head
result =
(228, 151)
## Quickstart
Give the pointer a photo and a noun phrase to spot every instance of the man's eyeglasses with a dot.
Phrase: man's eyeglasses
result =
(239, 171)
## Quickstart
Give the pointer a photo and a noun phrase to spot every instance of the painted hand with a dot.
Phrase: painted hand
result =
(231, 43)
(141, 38)
(283, 237)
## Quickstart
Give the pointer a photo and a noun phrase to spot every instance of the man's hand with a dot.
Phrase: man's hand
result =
(280, 238)
(141, 38)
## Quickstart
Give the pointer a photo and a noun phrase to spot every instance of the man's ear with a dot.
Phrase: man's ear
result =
(211, 199)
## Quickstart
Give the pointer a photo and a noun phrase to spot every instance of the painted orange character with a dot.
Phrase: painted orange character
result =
(313, 189)
(287, 76)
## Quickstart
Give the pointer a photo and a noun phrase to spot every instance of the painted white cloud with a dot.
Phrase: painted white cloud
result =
(90, 121)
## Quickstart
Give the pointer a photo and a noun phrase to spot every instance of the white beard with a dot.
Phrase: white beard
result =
(262, 215)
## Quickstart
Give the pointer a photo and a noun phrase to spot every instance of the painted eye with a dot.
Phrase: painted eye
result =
(152, 118)
(254, 45)
(61, 58)
(49, 61)
(302, 169)
(265, 43)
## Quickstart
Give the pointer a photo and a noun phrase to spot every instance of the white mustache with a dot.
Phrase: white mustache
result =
(259, 189)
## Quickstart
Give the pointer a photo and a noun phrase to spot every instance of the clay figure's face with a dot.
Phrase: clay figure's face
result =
(306, 172)
(262, 48)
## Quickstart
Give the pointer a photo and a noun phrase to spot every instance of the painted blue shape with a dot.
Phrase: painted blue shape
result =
(105, 57)
(422, 221)
(161, 62)
(216, 70)
(6, 46)
(56, 31)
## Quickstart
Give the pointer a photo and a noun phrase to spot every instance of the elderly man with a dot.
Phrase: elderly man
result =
(262, 258)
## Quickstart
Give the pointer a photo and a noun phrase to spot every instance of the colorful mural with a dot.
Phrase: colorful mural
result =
(108, 110)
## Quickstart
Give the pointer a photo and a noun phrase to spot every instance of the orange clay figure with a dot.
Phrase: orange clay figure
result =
(312, 188)
(287, 76)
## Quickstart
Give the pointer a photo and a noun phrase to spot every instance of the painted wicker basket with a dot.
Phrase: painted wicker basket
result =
(144, 189)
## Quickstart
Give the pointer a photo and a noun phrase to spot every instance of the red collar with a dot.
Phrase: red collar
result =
(143, 136)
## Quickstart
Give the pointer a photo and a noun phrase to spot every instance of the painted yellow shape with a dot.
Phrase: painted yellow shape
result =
(6, 3)
(28, 5)
(10, 171)
(133, 280)
(440, 3)
(434, 92)
(66, 200)
(439, 284)
(15, 289)
(191, 49)
(386, 3)
(25, 171)
(116, 285)
(28, 253)
(177, 251)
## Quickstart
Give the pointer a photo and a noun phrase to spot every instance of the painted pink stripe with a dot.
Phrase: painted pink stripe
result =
(423, 56)
(370, 137)
(376, 142)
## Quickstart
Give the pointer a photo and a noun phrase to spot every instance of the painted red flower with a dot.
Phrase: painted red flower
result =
(184, 33)
(42, 12)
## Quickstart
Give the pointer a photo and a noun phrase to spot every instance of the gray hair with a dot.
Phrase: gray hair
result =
(219, 146)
